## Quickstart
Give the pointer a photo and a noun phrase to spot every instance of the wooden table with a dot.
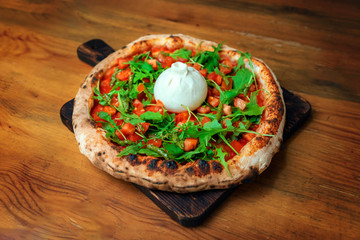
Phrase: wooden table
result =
(49, 190)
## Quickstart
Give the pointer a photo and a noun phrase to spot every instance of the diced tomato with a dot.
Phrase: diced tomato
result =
(249, 136)
(237, 145)
(128, 129)
(197, 66)
(228, 66)
(124, 74)
(96, 109)
(260, 99)
(122, 62)
(239, 103)
(190, 144)
(105, 86)
(157, 50)
(227, 110)
(155, 109)
(213, 101)
(159, 103)
(114, 101)
(109, 110)
(215, 77)
(205, 120)
(203, 109)
(223, 123)
(134, 137)
(109, 73)
(225, 69)
(166, 61)
(141, 87)
(227, 86)
(203, 72)
(143, 127)
(181, 118)
(183, 60)
(120, 135)
(153, 63)
(215, 92)
(155, 142)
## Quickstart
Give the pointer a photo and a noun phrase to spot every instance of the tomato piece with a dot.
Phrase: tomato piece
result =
(109, 110)
(260, 99)
(105, 86)
(203, 109)
(134, 137)
(249, 136)
(213, 101)
(166, 62)
(190, 144)
(109, 73)
(239, 103)
(128, 129)
(203, 72)
(143, 127)
(181, 118)
(122, 62)
(95, 110)
(215, 92)
(141, 87)
(205, 120)
(237, 145)
(215, 77)
(155, 109)
(153, 63)
(124, 74)
(155, 142)
(227, 110)
(120, 135)
(114, 101)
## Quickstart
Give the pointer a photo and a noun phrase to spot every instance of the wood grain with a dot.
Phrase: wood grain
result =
(48, 190)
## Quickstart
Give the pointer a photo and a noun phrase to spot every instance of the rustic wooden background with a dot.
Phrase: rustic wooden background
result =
(49, 190)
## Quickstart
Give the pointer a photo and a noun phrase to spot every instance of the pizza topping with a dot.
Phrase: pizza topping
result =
(180, 86)
(180, 104)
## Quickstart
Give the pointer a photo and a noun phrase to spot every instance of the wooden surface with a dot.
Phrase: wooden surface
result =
(190, 209)
(48, 190)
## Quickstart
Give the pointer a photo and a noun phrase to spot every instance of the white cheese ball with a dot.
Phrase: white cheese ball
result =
(180, 86)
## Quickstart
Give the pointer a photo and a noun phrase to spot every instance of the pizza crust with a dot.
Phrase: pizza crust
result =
(167, 175)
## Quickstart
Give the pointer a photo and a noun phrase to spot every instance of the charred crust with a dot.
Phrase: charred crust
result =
(190, 171)
(171, 165)
(99, 154)
(204, 167)
(133, 160)
(94, 80)
(84, 86)
(254, 172)
(216, 166)
(153, 165)
(123, 47)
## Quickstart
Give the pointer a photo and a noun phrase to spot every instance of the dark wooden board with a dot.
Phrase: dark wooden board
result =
(187, 209)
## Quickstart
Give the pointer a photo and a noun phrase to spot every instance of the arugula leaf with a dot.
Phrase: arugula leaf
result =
(132, 149)
(173, 149)
(221, 155)
(252, 108)
(209, 59)
(181, 53)
(152, 116)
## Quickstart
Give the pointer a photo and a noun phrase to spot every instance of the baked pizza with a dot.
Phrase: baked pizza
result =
(176, 113)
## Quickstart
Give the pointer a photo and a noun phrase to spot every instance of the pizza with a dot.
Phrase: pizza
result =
(180, 114)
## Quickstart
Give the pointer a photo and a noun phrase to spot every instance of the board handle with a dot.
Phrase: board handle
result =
(93, 51)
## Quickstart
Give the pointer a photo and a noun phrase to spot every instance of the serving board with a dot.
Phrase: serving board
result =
(192, 208)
